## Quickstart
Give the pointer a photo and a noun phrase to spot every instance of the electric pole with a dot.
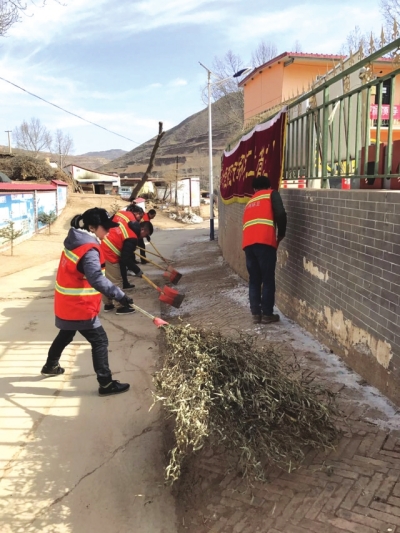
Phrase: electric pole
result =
(176, 181)
(9, 141)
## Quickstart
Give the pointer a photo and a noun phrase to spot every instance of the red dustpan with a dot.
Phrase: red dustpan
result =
(167, 295)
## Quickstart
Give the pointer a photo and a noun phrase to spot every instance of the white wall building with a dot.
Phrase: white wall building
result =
(93, 180)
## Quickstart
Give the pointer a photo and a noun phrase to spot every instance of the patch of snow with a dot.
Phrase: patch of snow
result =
(333, 365)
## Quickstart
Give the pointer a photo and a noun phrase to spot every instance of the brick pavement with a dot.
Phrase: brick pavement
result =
(355, 488)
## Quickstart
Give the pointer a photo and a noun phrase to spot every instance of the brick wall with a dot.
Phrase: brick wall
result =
(338, 274)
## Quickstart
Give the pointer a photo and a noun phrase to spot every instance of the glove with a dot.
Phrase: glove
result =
(139, 274)
(126, 301)
(148, 238)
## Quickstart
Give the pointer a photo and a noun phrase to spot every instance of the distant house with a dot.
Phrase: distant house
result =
(94, 181)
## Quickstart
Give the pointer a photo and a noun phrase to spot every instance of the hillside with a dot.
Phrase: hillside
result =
(105, 154)
(91, 162)
(188, 141)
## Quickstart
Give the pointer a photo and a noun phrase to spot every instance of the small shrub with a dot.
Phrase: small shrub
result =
(47, 219)
(9, 234)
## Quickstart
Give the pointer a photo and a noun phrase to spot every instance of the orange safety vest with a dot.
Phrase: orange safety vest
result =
(113, 243)
(124, 217)
(74, 297)
(146, 218)
(258, 220)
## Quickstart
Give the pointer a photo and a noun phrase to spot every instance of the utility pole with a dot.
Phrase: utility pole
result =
(176, 181)
(9, 141)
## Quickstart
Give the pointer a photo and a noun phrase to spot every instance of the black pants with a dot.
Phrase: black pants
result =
(260, 263)
(142, 252)
(99, 341)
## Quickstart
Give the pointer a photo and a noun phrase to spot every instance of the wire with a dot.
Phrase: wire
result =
(69, 112)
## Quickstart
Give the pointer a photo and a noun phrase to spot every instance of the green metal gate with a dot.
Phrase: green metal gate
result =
(344, 127)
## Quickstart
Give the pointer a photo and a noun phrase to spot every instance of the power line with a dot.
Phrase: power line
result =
(66, 111)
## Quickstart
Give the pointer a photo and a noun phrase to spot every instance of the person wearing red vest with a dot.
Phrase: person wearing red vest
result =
(264, 226)
(133, 213)
(147, 217)
(80, 283)
(118, 249)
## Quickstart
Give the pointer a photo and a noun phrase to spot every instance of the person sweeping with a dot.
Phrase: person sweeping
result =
(79, 285)
(118, 249)
(147, 217)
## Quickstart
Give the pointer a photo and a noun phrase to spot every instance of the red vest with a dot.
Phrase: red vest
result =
(113, 243)
(146, 218)
(124, 217)
(258, 220)
(74, 297)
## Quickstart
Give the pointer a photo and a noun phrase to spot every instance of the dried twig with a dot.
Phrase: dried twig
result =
(250, 400)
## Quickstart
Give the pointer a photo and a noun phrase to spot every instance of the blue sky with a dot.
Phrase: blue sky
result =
(129, 64)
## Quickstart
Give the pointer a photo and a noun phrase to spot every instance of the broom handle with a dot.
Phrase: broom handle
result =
(151, 283)
(145, 313)
(148, 251)
(150, 261)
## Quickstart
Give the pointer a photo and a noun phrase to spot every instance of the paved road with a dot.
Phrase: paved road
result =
(71, 461)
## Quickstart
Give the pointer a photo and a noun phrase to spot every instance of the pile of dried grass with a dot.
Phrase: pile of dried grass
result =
(250, 400)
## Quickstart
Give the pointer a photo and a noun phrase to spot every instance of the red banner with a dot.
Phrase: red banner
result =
(385, 115)
(258, 153)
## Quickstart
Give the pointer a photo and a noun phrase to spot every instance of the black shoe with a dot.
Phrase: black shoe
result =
(109, 307)
(124, 310)
(114, 387)
(128, 286)
(52, 370)
(268, 319)
(256, 319)
(143, 262)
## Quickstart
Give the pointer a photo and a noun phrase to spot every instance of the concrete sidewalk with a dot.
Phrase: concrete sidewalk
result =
(71, 461)
(353, 489)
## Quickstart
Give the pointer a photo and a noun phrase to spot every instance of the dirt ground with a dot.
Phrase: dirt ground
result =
(70, 461)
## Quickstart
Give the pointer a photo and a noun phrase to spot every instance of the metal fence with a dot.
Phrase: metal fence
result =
(345, 130)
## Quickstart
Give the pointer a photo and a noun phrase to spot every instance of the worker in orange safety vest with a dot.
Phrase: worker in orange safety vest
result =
(80, 283)
(264, 226)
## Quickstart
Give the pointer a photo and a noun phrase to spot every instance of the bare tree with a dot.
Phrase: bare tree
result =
(224, 68)
(263, 53)
(62, 146)
(9, 15)
(390, 10)
(32, 136)
(356, 39)
(297, 46)
(12, 10)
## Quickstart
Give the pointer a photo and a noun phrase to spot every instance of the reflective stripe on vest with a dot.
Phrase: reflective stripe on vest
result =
(75, 298)
(124, 217)
(258, 221)
(71, 256)
(111, 246)
(69, 291)
(124, 231)
(265, 221)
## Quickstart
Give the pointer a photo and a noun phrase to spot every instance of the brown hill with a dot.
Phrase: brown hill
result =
(186, 144)
(89, 161)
